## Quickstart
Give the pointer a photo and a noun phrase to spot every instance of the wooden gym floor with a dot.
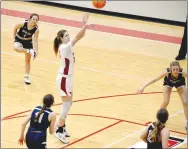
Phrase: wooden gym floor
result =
(112, 62)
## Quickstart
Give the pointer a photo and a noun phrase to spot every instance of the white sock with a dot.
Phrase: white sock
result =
(27, 50)
(65, 109)
(26, 75)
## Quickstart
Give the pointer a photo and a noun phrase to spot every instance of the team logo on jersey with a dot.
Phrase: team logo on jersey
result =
(174, 81)
(173, 142)
(27, 33)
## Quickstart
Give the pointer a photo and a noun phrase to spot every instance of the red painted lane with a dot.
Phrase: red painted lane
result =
(97, 27)
(138, 34)
(91, 134)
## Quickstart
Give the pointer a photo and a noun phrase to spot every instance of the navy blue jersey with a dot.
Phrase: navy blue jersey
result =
(171, 81)
(156, 144)
(24, 32)
(43, 123)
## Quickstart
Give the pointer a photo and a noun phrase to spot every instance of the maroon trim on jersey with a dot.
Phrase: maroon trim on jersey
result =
(66, 69)
(63, 84)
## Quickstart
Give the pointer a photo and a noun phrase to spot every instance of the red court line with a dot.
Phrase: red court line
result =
(88, 115)
(91, 134)
(133, 94)
(119, 120)
(96, 27)
(105, 117)
(146, 124)
(179, 132)
(15, 114)
(13, 117)
(109, 118)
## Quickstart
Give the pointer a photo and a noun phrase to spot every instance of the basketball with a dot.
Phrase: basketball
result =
(99, 3)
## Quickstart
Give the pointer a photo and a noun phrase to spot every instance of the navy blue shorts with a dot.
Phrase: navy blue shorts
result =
(35, 140)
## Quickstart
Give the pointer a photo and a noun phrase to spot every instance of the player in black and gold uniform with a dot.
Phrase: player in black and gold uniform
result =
(24, 43)
(156, 135)
(173, 77)
(172, 81)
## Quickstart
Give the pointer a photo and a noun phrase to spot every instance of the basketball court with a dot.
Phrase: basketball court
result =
(112, 62)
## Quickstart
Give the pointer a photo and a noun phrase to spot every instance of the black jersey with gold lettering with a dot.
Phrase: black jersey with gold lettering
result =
(156, 144)
(24, 32)
(174, 82)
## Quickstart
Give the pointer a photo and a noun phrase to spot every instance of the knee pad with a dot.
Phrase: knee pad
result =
(65, 109)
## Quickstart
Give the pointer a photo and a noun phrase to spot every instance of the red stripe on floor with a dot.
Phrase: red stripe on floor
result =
(97, 27)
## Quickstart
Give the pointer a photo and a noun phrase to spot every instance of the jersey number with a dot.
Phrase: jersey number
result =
(40, 117)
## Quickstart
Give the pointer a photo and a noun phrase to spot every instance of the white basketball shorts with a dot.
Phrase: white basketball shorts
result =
(64, 84)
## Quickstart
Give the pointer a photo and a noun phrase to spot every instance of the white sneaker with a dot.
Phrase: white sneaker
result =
(61, 137)
(66, 133)
(27, 80)
(32, 53)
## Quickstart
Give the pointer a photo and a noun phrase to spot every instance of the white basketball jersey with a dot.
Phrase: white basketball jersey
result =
(66, 59)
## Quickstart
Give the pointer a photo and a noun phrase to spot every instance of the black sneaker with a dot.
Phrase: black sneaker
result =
(179, 57)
